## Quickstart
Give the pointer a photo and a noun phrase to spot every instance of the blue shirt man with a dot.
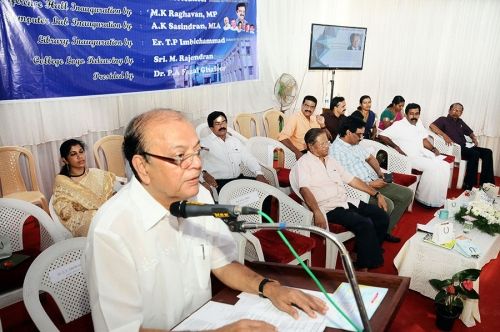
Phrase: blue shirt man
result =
(359, 162)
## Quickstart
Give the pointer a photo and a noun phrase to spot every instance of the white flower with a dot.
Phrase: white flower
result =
(480, 208)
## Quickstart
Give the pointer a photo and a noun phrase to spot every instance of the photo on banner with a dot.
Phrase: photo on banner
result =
(81, 48)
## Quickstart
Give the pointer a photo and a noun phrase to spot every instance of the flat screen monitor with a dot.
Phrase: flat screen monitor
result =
(336, 47)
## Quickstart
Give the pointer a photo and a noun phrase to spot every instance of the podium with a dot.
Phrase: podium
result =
(295, 276)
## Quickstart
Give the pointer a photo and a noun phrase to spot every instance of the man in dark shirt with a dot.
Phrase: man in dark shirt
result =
(454, 129)
(335, 116)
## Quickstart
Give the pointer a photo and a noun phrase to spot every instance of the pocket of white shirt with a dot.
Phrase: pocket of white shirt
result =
(201, 256)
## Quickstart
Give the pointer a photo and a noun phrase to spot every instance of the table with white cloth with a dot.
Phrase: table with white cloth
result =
(422, 261)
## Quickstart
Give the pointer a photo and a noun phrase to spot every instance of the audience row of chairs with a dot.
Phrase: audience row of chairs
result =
(16, 160)
(264, 150)
(108, 155)
(54, 267)
(22, 204)
(12, 183)
(68, 289)
(247, 124)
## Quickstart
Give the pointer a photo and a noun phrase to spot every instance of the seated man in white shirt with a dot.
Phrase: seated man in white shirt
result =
(148, 269)
(409, 137)
(320, 180)
(223, 155)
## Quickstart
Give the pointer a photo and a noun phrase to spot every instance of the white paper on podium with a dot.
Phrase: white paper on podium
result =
(250, 306)
(344, 298)
(214, 315)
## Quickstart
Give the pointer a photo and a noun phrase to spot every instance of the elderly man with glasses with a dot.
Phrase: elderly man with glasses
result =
(223, 155)
(320, 180)
(148, 269)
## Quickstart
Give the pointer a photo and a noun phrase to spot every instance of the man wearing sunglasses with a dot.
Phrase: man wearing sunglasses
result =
(147, 269)
(223, 154)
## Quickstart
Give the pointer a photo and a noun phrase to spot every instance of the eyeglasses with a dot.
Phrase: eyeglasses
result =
(360, 135)
(182, 161)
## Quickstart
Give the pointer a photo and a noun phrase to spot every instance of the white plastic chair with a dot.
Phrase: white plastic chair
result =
(263, 149)
(396, 162)
(13, 214)
(57, 271)
(456, 151)
(441, 145)
(268, 172)
(331, 249)
(63, 230)
(289, 211)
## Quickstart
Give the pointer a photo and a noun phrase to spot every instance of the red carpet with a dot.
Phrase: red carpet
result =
(416, 313)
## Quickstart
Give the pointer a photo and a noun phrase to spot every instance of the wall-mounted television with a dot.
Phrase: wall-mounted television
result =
(336, 47)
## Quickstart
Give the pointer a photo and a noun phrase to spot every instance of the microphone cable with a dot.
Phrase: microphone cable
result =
(308, 270)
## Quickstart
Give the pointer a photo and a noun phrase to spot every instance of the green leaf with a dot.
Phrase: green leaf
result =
(440, 284)
(471, 274)
(440, 296)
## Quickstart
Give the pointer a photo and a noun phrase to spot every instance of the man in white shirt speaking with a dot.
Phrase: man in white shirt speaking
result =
(148, 269)
(223, 154)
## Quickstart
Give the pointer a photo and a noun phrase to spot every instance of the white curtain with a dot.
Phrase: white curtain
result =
(433, 53)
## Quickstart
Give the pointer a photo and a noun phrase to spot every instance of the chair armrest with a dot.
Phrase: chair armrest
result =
(241, 243)
(254, 250)
(457, 152)
(356, 194)
(270, 175)
(441, 145)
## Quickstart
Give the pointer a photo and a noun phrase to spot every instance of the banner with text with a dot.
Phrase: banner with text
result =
(77, 48)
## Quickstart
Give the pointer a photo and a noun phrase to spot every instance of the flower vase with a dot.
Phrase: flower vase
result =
(444, 318)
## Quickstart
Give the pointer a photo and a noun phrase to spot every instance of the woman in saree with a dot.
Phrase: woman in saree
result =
(79, 191)
(369, 117)
(392, 113)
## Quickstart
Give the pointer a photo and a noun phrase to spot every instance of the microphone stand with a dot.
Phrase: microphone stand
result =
(241, 226)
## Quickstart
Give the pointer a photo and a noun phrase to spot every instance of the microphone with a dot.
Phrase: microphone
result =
(185, 209)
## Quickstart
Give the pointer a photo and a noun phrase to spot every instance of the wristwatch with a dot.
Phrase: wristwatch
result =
(261, 287)
(376, 194)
